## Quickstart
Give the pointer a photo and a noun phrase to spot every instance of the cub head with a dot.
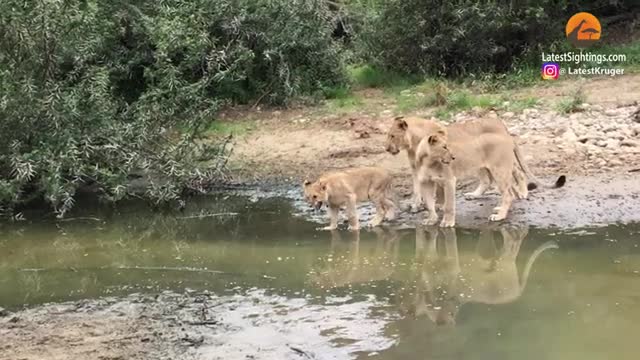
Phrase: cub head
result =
(438, 150)
(315, 193)
(396, 136)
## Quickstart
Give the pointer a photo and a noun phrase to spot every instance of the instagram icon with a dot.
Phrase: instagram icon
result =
(550, 71)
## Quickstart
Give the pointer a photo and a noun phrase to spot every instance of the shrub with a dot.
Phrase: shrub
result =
(456, 38)
(92, 92)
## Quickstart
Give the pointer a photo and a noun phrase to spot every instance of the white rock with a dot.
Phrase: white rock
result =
(611, 112)
(570, 136)
(612, 143)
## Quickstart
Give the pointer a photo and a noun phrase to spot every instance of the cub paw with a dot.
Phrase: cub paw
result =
(496, 217)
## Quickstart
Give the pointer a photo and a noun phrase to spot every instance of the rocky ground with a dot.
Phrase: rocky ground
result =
(193, 326)
(596, 144)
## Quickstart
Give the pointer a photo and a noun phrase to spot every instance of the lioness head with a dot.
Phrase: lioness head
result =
(315, 193)
(396, 139)
(438, 150)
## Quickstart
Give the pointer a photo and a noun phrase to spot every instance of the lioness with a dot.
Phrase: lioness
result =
(441, 161)
(347, 188)
(406, 134)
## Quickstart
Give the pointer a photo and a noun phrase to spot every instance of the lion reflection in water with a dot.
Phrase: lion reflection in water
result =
(352, 263)
(490, 276)
(440, 280)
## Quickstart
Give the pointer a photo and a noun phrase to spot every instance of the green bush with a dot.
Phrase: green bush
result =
(92, 92)
(457, 38)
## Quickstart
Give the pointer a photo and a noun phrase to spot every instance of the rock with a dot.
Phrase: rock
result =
(596, 108)
(615, 162)
(601, 143)
(570, 136)
(612, 143)
(611, 112)
(3, 312)
(386, 113)
(631, 143)
(508, 115)
(584, 106)
(406, 92)
(493, 115)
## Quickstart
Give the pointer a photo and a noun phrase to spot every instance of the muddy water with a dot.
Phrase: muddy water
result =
(277, 288)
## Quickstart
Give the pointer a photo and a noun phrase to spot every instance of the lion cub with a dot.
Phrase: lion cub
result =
(349, 187)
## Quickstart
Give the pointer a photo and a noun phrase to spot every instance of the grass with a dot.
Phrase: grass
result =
(517, 105)
(572, 104)
(229, 128)
(367, 76)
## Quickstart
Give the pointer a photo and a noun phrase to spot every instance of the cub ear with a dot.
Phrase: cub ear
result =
(402, 125)
(307, 183)
(324, 187)
(442, 132)
(432, 139)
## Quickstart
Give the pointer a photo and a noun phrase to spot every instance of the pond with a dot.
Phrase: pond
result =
(500, 292)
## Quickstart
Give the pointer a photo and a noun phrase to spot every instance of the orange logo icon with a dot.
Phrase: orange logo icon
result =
(583, 30)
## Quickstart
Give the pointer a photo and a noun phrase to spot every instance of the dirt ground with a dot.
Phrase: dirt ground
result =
(597, 147)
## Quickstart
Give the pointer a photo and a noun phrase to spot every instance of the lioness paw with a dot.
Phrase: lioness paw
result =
(431, 220)
(496, 217)
(446, 223)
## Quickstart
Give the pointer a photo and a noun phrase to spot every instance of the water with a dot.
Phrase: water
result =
(495, 293)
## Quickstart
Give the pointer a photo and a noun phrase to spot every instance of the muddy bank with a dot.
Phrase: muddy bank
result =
(252, 325)
(585, 201)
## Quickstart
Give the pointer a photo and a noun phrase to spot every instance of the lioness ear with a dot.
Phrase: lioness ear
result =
(442, 132)
(307, 183)
(402, 124)
(433, 139)
(324, 187)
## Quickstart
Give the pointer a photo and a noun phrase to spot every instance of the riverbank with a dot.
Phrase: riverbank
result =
(588, 130)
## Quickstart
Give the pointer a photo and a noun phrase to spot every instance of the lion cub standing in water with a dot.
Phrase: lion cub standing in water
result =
(349, 187)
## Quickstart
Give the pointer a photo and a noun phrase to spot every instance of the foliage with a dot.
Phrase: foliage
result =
(457, 38)
(91, 92)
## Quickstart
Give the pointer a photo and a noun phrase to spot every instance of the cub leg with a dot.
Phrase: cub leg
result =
(334, 212)
(485, 182)
(352, 212)
(449, 217)
(429, 196)
(504, 185)
(381, 210)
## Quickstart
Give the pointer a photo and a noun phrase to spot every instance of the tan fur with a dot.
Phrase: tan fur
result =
(443, 162)
(349, 187)
(406, 133)
(492, 279)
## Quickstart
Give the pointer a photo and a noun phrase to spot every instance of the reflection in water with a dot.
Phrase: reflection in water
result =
(441, 280)
(349, 265)
(490, 276)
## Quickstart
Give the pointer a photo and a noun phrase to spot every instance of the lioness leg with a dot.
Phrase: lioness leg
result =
(416, 199)
(485, 182)
(449, 217)
(352, 212)
(504, 185)
(520, 185)
(428, 189)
